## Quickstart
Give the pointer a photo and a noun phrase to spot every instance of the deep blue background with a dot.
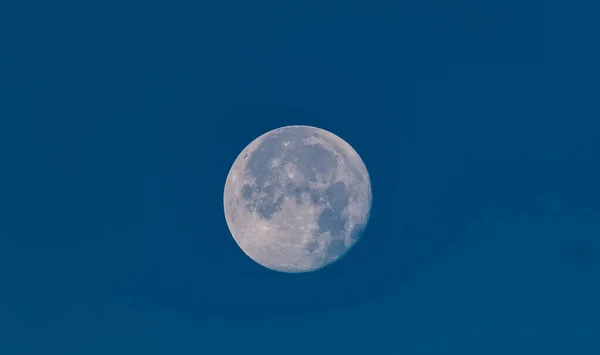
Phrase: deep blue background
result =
(478, 122)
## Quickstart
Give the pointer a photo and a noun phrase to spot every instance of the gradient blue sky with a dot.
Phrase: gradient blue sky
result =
(478, 122)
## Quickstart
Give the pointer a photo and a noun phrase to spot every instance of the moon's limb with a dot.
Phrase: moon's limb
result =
(297, 198)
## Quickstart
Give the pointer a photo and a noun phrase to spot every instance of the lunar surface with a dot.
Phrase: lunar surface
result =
(297, 199)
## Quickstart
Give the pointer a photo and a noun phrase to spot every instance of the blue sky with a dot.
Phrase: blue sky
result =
(477, 122)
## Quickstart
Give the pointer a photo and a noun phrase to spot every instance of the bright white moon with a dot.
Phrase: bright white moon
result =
(297, 199)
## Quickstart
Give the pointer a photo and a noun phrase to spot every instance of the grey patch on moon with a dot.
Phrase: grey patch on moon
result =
(298, 199)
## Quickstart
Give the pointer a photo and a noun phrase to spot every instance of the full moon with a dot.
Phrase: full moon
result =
(297, 199)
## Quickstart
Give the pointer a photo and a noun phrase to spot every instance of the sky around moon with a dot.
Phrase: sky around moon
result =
(477, 121)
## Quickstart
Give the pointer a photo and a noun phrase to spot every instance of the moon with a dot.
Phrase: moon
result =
(297, 199)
